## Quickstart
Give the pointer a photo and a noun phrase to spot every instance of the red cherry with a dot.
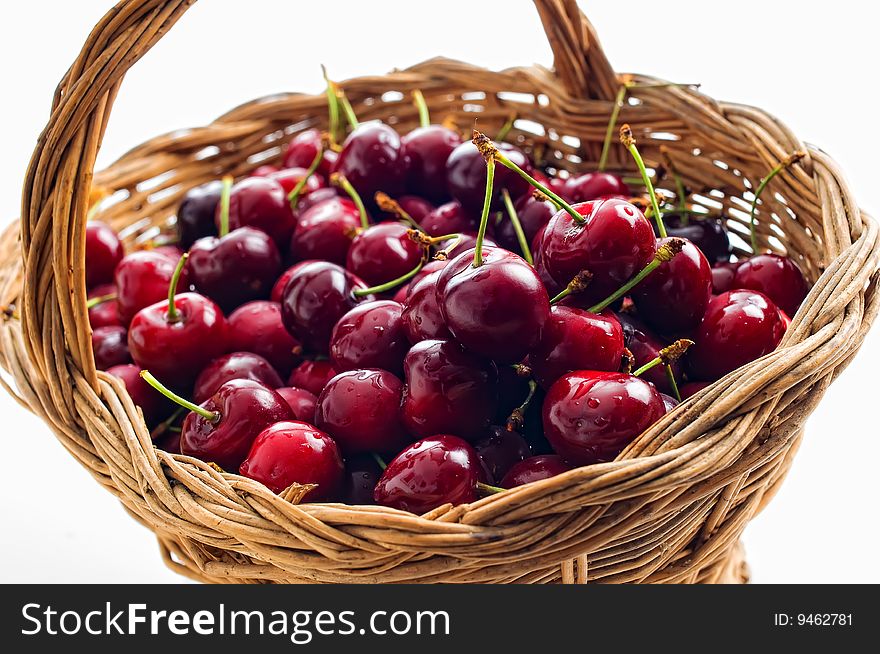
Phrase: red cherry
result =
(536, 468)
(326, 230)
(533, 215)
(195, 215)
(425, 150)
(289, 178)
(153, 405)
(265, 170)
(176, 348)
(110, 347)
(590, 417)
(106, 312)
(497, 309)
(257, 327)
(594, 186)
(777, 277)
(575, 339)
(740, 326)
(142, 279)
(301, 402)
(421, 315)
(371, 335)
(171, 251)
(723, 275)
(448, 390)
(552, 287)
(361, 410)
(645, 346)
(450, 218)
(500, 451)
(295, 453)
(362, 473)
(708, 234)
(278, 288)
(316, 197)
(372, 160)
(465, 241)
(692, 388)
(417, 207)
(303, 148)
(559, 185)
(382, 253)
(104, 251)
(669, 402)
(427, 269)
(260, 203)
(237, 365)
(312, 376)
(430, 473)
(466, 176)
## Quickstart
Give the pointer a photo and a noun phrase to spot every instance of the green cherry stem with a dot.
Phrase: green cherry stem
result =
(667, 356)
(389, 286)
(224, 205)
(386, 203)
(347, 109)
(612, 123)
(101, 299)
(664, 253)
(379, 461)
(790, 160)
(670, 375)
(173, 313)
(338, 179)
(680, 190)
(488, 489)
(484, 217)
(505, 128)
(577, 285)
(517, 417)
(293, 196)
(213, 416)
(332, 108)
(629, 142)
(517, 227)
(422, 106)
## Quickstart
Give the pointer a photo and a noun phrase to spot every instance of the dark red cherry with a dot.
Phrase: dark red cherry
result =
(362, 473)
(303, 148)
(536, 468)
(278, 288)
(723, 275)
(590, 417)
(142, 279)
(429, 473)
(257, 327)
(236, 268)
(325, 231)
(260, 203)
(361, 410)
(295, 453)
(425, 150)
(559, 185)
(301, 402)
(674, 297)
(614, 242)
(500, 451)
(372, 160)
(315, 299)
(552, 287)
(104, 251)
(465, 241)
(432, 266)
(371, 335)
(417, 207)
(153, 404)
(708, 234)
(594, 186)
(289, 178)
(575, 339)
(315, 197)
(466, 176)
(645, 346)
(242, 409)
(312, 376)
(110, 347)
(669, 402)
(106, 312)
(382, 253)
(692, 388)
(236, 365)
(497, 309)
(449, 390)
(195, 215)
(740, 326)
(533, 215)
(421, 315)
(173, 348)
(450, 218)
(777, 277)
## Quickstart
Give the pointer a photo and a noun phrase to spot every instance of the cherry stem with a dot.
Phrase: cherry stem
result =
(505, 128)
(101, 299)
(680, 190)
(389, 286)
(213, 416)
(670, 375)
(522, 370)
(629, 142)
(443, 255)
(224, 205)
(173, 313)
(347, 109)
(612, 123)
(790, 160)
(386, 203)
(667, 356)
(338, 179)
(516, 420)
(422, 106)
(380, 461)
(517, 227)
(484, 217)
(165, 425)
(577, 285)
(664, 253)
(332, 108)
(489, 489)
(293, 196)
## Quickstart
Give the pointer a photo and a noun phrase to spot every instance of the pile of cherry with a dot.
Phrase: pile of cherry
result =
(435, 304)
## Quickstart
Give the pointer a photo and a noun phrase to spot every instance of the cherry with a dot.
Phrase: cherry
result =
(169, 250)
(537, 248)
(692, 388)
(432, 266)
(103, 307)
(707, 233)
(614, 242)
(669, 402)
(500, 451)
(594, 186)
(496, 306)
(449, 390)
(312, 376)
(289, 178)
(195, 215)
(534, 214)
(590, 417)
(110, 347)
(536, 468)
(303, 148)
(306, 202)
(361, 410)
(371, 335)
(777, 277)
(575, 339)
(301, 402)
(425, 150)
(449, 218)
(674, 297)
(295, 453)
(645, 346)
(235, 268)
(558, 185)
(142, 279)
(265, 170)
(362, 473)
(466, 176)
(257, 327)
(236, 365)
(372, 160)
(104, 251)
(153, 405)
(281, 282)
(723, 275)
(740, 326)
(382, 253)
(465, 241)
(421, 315)
(430, 473)
(259, 203)
(325, 231)
(417, 207)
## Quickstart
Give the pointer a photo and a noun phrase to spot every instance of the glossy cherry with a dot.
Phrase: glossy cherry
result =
(450, 218)
(104, 251)
(372, 160)
(533, 214)
(645, 346)
(281, 282)
(500, 451)
(195, 215)
(590, 417)
(153, 404)
(425, 150)
(777, 277)
(318, 196)
(421, 315)
(362, 473)
(303, 148)
(236, 365)
(312, 375)
(416, 206)
(260, 203)
(142, 279)
(669, 402)
(257, 327)
(429, 473)
(326, 230)
(293, 452)
(740, 326)
(110, 347)
(106, 312)
(723, 275)
(432, 266)
(449, 390)
(536, 468)
(382, 253)
(301, 402)
(595, 186)
(371, 335)
(289, 178)
(707, 233)
(466, 176)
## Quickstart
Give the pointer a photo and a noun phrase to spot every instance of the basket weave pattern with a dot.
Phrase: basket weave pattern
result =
(671, 509)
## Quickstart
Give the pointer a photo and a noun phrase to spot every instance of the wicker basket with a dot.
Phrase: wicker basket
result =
(670, 509)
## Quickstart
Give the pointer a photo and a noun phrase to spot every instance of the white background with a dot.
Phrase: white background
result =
(810, 63)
